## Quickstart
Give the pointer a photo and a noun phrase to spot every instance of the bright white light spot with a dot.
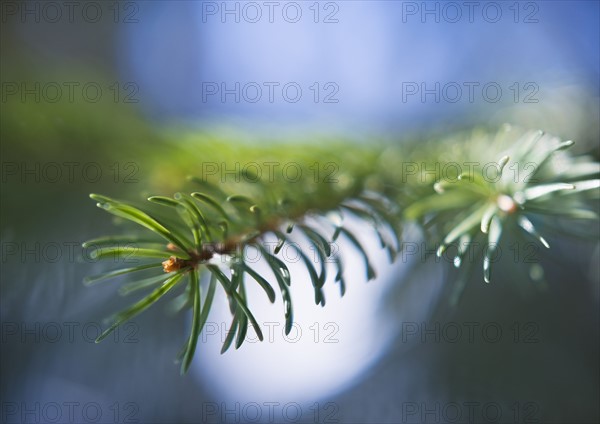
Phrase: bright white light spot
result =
(506, 203)
(329, 347)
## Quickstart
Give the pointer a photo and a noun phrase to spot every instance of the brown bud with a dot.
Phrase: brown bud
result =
(172, 264)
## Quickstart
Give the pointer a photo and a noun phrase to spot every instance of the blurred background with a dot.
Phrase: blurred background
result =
(92, 92)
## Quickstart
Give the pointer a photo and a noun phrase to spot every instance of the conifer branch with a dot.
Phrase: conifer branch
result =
(515, 179)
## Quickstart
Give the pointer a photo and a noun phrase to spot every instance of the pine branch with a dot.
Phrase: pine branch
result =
(514, 178)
